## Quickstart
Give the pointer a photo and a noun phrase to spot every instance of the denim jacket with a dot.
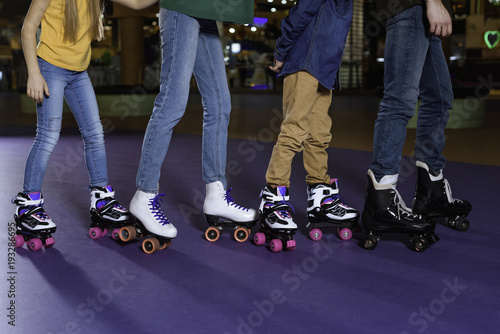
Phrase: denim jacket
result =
(313, 38)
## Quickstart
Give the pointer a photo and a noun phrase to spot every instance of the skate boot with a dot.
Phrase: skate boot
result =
(325, 209)
(106, 213)
(33, 225)
(276, 223)
(433, 198)
(147, 218)
(386, 212)
(220, 210)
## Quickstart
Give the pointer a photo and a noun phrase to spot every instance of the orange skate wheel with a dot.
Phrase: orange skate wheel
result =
(241, 234)
(150, 245)
(127, 233)
(212, 234)
(165, 244)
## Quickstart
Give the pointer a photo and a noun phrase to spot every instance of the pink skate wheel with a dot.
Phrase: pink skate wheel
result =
(35, 244)
(104, 232)
(95, 233)
(290, 245)
(276, 245)
(115, 235)
(316, 234)
(19, 241)
(49, 242)
(259, 238)
(345, 233)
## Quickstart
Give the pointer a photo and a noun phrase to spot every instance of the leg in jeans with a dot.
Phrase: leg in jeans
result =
(49, 119)
(406, 48)
(81, 99)
(210, 73)
(179, 35)
(436, 97)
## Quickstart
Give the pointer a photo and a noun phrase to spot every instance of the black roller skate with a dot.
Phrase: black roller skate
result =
(106, 213)
(276, 223)
(148, 221)
(33, 225)
(325, 209)
(433, 198)
(386, 212)
(221, 211)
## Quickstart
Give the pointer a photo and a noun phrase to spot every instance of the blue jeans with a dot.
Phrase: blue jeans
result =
(77, 89)
(415, 67)
(188, 46)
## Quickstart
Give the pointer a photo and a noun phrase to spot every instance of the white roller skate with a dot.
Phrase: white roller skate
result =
(325, 208)
(276, 222)
(220, 210)
(147, 217)
(33, 225)
(106, 213)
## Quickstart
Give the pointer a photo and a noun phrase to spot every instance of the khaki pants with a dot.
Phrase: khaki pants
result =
(306, 126)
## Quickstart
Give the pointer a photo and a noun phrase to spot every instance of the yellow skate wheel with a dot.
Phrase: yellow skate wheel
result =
(150, 245)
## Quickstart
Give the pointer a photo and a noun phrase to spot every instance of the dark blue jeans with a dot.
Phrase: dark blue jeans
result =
(415, 67)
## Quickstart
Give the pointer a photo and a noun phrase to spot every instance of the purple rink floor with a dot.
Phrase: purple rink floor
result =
(331, 286)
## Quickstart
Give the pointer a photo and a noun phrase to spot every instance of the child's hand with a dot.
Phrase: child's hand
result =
(278, 65)
(37, 87)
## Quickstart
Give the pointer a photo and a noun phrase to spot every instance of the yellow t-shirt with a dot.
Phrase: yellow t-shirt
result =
(52, 48)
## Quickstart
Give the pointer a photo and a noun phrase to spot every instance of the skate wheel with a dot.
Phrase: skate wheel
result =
(19, 241)
(259, 238)
(212, 234)
(115, 234)
(290, 245)
(370, 242)
(165, 243)
(127, 233)
(104, 232)
(35, 244)
(95, 233)
(49, 242)
(241, 234)
(419, 244)
(315, 234)
(462, 225)
(345, 233)
(150, 245)
(276, 245)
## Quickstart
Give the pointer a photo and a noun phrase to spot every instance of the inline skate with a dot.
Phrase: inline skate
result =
(147, 218)
(106, 213)
(33, 224)
(386, 212)
(276, 222)
(221, 211)
(325, 209)
(433, 198)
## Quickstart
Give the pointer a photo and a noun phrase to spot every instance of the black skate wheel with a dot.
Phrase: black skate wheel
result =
(419, 244)
(462, 225)
(150, 245)
(212, 234)
(370, 242)
(241, 234)
(127, 233)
